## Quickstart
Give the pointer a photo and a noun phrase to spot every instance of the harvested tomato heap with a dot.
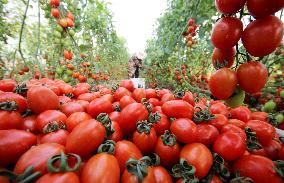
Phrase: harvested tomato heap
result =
(51, 131)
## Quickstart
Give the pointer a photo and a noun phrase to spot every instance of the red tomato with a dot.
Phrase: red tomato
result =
(199, 156)
(162, 175)
(64, 99)
(117, 134)
(74, 119)
(83, 103)
(20, 101)
(178, 109)
(130, 115)
(70, 22)
(10, 120)
(138, 94)
(154, 102)
(150, 93)
(29, 124)
(237, 123)
(125, 101)
(229, 81)
(14, 143)
(87, 96)
(66, 177)
(47, 119)
(37, 99)
(223, 58)
(219, 108)
(55, 13)
(188, 97)
(7, 85)
(281, 153)
(268, 28)
(219, 121)
(98, 106)
(37, 157)
(161, 93)
(272, 149)
(115, 116)
(252, 76)
(130, 178)
(65, 88)
(167, 97)
(85, 138)
(264, 131)
(184, 129)
(71, 107)
(4, 179)
(226, 32)
(230, 146)
(80, 90)
(168, 150)
(241, 113)
(216, 179)
(210, 131)
(124, 150)
(229, 6)
(145, 138)
(121, 92)
(261, 8)
(262, 116)
(234, 129)
(157, 109)
(106, 169)
(162, 125)
(128, 84)
(58, 137)
(260, 169)
(54, 3)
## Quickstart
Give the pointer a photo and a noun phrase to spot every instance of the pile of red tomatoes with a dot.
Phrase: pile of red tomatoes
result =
(51, 131)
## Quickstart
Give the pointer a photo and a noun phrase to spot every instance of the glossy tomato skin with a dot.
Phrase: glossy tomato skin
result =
(58, 137)
(85, 138)
(281, 153)
(262, 116)
(121, 92)
(199, 156)
(154, 101)
(10, 120)
(178, 109)
(124, 150)
(162, 175)
(37, 97)
(67, 177)
(229, 81)
(219, 121)
(230, 146)
(162, 125)
(83, 103)
(128, 84)
(169, 155)
(115, 116)
(118, 134)
(80, 90)
(71, 107)
(237, 123)
(20, 101)
(130, 178)
(188, 97)
(7, 85)
(98, 106)
(234, 129)
(219, 108)
(106, 169)
(49, 117)
(206, 134)
(223, 58)
(145, 142)
(125, 101)
(261, 8)
(87, 96)
(138, 94)
(272, 149)
(130, 115)
(252, 76)
(14, 143)
(167, 97)
(226, 32)
(150, 93)
(269, 27)
(241, 113)
(264, 131)
(184, 129)
(250, 164)
(229, 6)
(74, 119)
(29, 124)
(37, 157)
(63, 99)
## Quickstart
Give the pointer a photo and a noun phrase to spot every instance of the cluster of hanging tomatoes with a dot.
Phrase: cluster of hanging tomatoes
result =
(190, 33)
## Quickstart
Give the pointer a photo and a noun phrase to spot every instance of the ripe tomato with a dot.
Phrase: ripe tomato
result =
(281, 153)
(21, 102)
(219, 108)
(37, 157)
(138, 94)
(7, 85)
(261, 8)
(10, 120)
(121, 92)
(210, 131)
(70, 22)
(65, 88)
(241, 113)
(29, 124)
(250, 164)
(229, 81)
(108, 97)
(117, 134)
(71, 107)
(237, 123)
(268, 28)
(106, 169)
(226, 32)
(223, 58)
(154, 102)
(150, 93)
(188, 97)
(70, 15)
(124, 150)
(130, 115)
(80, 90)
(264, 131)
(74, 119)
(87, 96)
(46, 120)
(162, 125)
(128, 84)
(58, 137)
(54, 3)
(125, 101)
(14, 143)
(252, 76)
(219, 121)
(230, 146)
(130, 178)
(85, 138)
(115, 116)
(234, 129)
(184, 129)
(161, 175)
(55, 13)
(167, 97)
(167, 149)
(84, 103)
(199, 156)
(37, 99)
(272, 149)
(162, 92)
(178, 109)
(66, 177)
(98, 106)
(229, 6)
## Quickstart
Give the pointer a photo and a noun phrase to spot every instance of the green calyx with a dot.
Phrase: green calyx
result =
(168, 138)
(139, 168)
(27, 176)
(144, 127)
(63, 163)
(185, 171)
(107, 147)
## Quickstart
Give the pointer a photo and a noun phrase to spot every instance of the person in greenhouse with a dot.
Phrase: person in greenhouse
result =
(134, 65)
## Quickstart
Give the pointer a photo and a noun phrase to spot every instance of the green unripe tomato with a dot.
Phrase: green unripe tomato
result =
(66, 78)
(57, 34)
(236, 100)
(269, 106)
(282, 93)
(59, 28)
(69, 72)
(279, 118)
(72, 32)
(59, 70)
